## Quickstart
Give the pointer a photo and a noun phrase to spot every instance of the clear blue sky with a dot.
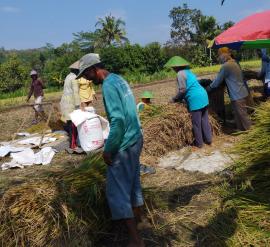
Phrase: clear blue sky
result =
(33, 23)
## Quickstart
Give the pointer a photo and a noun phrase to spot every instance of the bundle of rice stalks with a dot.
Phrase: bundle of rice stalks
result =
(247, 194)
(30, 215)
(55, 123)
(66, 209)
(254, 148)
(167, 128)
(38, 128)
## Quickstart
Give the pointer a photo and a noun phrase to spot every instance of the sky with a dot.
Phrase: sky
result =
(33, 23)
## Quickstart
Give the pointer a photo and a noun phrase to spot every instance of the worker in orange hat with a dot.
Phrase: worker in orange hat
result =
(238, 91)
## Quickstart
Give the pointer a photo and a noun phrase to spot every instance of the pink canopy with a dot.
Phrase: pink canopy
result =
(252, 32)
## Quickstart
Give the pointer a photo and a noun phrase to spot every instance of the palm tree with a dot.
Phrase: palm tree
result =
(111, 30)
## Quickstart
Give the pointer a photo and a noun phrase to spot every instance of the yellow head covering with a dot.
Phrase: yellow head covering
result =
(224, 50)
(224, 54)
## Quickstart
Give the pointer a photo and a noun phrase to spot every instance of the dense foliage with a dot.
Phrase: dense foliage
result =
(14, 74)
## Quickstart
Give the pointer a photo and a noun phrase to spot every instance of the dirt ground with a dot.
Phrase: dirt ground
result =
(189, 199)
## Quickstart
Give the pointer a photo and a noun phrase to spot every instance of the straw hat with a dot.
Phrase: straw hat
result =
(75, 65)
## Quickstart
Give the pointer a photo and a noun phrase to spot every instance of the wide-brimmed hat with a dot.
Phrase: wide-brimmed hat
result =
(176, 61)
(33, 72)
(147, 95)
(75, 65)
(88, 61)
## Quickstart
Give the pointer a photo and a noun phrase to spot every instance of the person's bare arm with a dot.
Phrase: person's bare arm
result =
(30, 92)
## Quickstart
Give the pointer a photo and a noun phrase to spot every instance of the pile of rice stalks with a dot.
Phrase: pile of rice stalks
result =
(65, 209)
(254, 148)
(167, 128)
(55, 123)
(244, 218)
(38, 128)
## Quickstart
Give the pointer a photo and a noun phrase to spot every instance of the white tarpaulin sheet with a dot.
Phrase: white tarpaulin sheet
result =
(44, 156)
(5, 150)
(11, 164)
(29, 158)
(36, 140)
(23, 134)
(199, 161)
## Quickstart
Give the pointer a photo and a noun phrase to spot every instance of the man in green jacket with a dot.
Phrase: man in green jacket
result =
(123, 147)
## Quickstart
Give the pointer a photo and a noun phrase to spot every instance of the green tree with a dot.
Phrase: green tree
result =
(123, 59)
(110, 31)
(183, 24)
(88, 41)
(227, 25)
(206, 29)
(154, 57)
(2, 55)
(56, 68)
(14, 74)
(193, 31)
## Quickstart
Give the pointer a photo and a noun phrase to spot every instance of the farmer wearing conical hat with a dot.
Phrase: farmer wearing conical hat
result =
(189, 89)
(86, 90)
(146, 97)
(238, 91)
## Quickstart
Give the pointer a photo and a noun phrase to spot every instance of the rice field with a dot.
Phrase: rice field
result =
(186, 209)
(17, 98)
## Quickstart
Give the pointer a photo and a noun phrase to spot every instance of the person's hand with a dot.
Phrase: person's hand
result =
(171, 101)
(107, 158)
(208, 89)
(82, 107)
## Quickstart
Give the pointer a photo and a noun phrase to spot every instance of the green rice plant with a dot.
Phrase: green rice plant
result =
(255, 145)
(246, 196)
(253, 64)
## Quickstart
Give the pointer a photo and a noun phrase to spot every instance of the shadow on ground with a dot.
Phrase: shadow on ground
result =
(182, 196)
(247, 202)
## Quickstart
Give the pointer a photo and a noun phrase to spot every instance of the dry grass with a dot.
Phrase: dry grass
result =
(243, 219)
(64, 209)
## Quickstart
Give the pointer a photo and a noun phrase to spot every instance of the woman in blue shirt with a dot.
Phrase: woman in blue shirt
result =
(196, 97)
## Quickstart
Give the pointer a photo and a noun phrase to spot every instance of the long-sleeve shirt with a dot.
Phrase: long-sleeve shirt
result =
(36, 88)
(265, 70)
(70, 99)
(190, 89)
(120, 106)
(231, 73)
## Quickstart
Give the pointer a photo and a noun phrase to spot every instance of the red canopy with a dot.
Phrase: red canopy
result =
(254, 27)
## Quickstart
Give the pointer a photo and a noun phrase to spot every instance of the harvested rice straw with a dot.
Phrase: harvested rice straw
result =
(66, 209)
(167, 128)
